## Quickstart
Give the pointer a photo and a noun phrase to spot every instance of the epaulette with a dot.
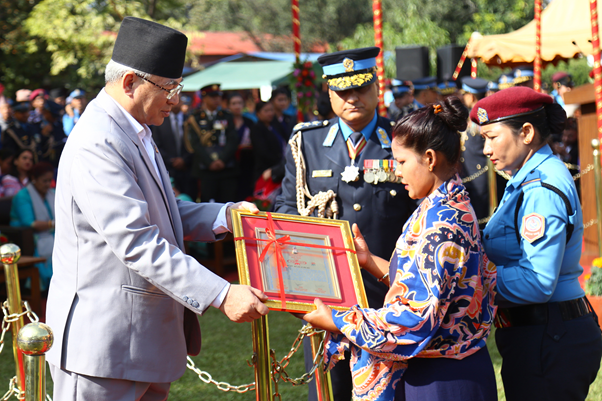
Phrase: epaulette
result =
(311, 125)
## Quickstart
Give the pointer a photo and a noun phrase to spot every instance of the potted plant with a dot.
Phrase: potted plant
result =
(593, 286)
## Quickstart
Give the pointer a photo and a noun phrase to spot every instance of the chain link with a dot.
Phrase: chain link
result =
(13, 388)
(278, 371)
(475, 175)
(580, 174)
(590, 223)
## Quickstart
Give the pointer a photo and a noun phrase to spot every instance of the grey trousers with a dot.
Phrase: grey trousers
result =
(69, 386)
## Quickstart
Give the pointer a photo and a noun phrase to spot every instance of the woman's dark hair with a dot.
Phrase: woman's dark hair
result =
(260, 105)
(20, 152)
(6, 154)
(550, 120)
(39, 169)
(436, 126)
(235, 94)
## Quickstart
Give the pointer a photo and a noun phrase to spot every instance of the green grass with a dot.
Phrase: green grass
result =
(226, 348)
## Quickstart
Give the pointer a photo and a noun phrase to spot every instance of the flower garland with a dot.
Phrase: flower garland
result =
(303, 82)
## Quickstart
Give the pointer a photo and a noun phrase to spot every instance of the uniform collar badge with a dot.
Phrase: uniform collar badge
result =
(482, 115)
(383, 138)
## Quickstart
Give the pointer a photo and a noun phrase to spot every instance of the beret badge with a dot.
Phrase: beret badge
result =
(348, 64)
(482, 115)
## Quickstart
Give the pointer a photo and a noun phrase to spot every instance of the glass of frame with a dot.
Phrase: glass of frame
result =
(309, 257)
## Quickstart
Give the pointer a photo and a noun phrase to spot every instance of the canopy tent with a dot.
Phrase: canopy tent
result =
(240, 75)
(565, 32)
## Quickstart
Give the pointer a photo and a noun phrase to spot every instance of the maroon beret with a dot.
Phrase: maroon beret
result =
(508, 103)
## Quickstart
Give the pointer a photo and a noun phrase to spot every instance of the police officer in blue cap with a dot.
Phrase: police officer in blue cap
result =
(343, 168)
(523, 76)
(403, 95)
(425, 91)
(20, 134)
(505, 81)
(446, 89)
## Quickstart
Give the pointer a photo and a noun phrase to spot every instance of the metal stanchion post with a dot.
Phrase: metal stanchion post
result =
(598, 181)
(323, 385)
(34, 340)
(491, 176)
(263, 366)
(10, 254)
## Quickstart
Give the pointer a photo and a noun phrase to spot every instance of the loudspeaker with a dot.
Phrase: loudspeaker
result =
(412, 62)
(447, 61)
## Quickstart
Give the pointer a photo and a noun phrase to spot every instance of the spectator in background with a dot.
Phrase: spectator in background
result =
(185, 102)
(283, 123)
(58, 96)
(244, 154)
(6, 114)
(37, 99)
(403, 95)
(33, 206)
(268, 145)
(425, 91)
(250, 109)
(212, 138)
(177, 159)
(18, 177)
(562, 83)
(324, 107)
(19, 134)
(6, 162)
(53, 136)
(76, 103)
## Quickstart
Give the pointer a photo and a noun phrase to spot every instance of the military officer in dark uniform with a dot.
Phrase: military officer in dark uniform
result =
(20, 134)
(348, 171)
(211, 137)
(403, 93)
(523, 76)
(446, 89)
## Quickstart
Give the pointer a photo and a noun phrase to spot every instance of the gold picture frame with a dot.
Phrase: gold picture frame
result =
(318, 256)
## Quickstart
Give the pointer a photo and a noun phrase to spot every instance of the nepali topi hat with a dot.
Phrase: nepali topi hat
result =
(509, 103)
(349, 69)
(150, 47)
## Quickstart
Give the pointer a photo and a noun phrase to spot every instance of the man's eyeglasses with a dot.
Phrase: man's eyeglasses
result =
(170, 93)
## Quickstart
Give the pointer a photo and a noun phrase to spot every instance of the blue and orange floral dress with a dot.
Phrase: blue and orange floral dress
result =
(440, 303)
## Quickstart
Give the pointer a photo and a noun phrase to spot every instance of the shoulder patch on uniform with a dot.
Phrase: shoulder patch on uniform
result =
(534, 227)
(332, 134)
(309, 125)
(385, 143)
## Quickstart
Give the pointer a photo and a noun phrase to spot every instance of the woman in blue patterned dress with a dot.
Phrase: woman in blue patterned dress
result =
(427, 342)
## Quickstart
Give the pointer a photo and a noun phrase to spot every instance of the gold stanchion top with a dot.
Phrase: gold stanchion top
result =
(35, 338)
(596, 144)
(10, 254)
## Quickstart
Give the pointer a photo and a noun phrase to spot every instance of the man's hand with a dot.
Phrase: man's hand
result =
(178, 163)
(321, 318)
(244, 304)
(217, 165)
(248, 206)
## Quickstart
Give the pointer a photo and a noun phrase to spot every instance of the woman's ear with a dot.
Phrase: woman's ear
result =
(528, 133)
(430, 159)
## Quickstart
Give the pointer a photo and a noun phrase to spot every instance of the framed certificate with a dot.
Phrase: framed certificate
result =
(295, 259)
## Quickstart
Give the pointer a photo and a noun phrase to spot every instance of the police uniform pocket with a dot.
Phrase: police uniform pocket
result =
(392, 200)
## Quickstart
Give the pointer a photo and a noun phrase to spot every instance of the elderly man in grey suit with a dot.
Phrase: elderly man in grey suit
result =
(123, 297)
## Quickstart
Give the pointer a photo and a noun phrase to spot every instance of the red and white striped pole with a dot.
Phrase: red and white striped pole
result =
(297, 47)
(593, 7)
(380, 60)
(537, 60)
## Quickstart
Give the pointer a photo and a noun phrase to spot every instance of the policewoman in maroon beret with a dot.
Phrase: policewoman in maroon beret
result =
(547, 333)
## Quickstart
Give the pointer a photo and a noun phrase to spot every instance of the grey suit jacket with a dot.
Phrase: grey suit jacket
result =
(121, 281)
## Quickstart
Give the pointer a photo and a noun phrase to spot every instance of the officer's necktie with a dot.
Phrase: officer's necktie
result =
(355, 144)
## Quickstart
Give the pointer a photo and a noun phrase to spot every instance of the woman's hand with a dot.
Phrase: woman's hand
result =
(364, 257)
(321, 318)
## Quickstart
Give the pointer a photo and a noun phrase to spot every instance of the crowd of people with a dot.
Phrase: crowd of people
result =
(411, 186)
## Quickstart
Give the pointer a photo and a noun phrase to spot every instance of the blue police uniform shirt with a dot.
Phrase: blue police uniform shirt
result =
(366, 132)
(557, 98)
(547, 269)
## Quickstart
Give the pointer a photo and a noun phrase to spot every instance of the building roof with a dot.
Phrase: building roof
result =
(223, 43)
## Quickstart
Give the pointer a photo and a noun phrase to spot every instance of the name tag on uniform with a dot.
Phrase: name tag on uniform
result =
(321, 173)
